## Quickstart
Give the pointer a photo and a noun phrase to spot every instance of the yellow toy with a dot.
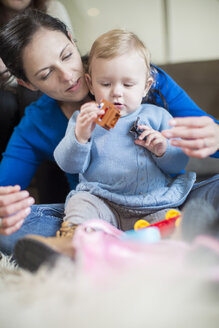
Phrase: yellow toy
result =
(166, 227)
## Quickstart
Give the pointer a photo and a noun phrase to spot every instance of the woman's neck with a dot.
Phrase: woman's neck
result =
(68, 108)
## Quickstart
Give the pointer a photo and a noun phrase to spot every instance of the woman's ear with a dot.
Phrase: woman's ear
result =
(27, 85)
(148, 85)
(89, 82)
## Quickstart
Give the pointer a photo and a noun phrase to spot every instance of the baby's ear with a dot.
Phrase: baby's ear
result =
(148, 85)
(89, 82)
(27, 85)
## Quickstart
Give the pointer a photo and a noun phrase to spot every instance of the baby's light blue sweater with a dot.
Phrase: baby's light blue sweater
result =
(113, 167)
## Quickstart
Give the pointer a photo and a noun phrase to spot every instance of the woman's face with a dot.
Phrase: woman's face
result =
(16, 5)
(53, 65)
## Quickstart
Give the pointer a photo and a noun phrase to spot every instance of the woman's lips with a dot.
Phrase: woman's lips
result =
(75, 86)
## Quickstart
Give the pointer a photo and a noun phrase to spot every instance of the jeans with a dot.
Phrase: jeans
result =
(207, 190)
(45, 220)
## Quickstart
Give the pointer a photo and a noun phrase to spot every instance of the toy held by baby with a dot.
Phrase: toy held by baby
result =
(109, 119)
(135, 131)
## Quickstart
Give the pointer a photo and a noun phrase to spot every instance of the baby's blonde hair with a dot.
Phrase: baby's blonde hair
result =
(118, 42)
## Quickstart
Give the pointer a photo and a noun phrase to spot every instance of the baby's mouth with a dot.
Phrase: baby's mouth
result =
(118, 105)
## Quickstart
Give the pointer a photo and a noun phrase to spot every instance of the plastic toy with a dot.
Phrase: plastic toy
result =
(148, 236)
(109, 119)
(135, 131)
(166, 227)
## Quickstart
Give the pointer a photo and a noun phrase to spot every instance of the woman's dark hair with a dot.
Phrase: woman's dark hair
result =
(34, 4)
(18, 33)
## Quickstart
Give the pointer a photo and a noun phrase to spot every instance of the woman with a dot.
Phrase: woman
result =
(48, 60)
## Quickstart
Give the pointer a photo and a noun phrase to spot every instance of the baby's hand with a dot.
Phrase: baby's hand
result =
(85, 123)
(154, 142)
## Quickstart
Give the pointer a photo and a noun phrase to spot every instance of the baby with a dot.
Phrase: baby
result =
(121, 179)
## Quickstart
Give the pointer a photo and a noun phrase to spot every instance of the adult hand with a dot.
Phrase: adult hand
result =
(199, 136)
(14, 207)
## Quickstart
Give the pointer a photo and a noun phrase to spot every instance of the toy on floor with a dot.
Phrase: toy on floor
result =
(149, 236)
(166, 227)
(109, 119)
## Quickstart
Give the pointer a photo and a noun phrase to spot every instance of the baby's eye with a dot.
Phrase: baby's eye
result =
(105, 84)
(128, 85)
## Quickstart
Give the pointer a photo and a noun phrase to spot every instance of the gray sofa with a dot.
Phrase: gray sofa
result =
(201, 82)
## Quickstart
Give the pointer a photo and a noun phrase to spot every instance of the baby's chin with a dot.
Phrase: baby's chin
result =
(126, 111)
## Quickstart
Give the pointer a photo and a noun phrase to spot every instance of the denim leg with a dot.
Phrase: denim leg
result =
(207, 190)
(43, 220)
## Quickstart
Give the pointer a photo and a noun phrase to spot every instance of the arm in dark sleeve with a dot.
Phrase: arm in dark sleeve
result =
(28, 146)
(20, 161)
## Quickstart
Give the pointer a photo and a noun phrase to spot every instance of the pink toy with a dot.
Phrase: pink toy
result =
(102, 249)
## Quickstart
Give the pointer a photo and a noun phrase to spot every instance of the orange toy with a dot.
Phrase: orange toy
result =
(109, 119)
(166, 226)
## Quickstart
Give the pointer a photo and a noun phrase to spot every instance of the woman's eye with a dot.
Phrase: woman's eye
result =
(45, 77)
(67, 56)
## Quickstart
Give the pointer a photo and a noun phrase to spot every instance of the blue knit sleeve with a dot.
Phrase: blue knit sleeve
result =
(72, 156)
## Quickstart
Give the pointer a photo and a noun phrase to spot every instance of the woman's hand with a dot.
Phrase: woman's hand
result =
(199, 136)
(85, 123)
(14, 207)
(155, 141)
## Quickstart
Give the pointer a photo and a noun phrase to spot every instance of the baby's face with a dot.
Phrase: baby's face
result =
(120, 80)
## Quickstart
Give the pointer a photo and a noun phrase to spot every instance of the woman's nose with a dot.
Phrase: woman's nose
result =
(65, 74)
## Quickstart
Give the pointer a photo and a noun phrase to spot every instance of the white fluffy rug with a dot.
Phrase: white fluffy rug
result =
(139, 298)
